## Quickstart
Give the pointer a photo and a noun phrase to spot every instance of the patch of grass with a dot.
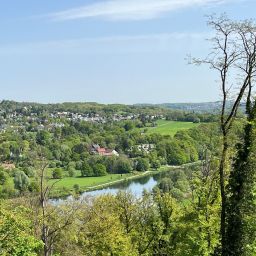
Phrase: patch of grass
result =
(170, 127)
(86, 182)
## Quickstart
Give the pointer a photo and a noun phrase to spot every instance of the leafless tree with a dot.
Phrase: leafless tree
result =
(232, 56)
(50, 219)
(239, 237)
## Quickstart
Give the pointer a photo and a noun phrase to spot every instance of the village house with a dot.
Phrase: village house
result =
(145, 147)
(96, 149)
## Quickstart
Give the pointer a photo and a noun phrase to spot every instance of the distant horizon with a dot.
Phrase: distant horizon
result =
(112, 103)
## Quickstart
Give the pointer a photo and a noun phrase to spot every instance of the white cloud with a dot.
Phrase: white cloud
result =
(129, 9)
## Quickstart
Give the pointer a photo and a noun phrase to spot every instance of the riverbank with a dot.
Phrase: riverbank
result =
(65, 187)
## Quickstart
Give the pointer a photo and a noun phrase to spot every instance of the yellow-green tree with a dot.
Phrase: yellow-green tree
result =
(16, 237)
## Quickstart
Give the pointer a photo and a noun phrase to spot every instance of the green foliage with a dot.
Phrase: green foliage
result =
(16, 237)
(43, 137)
(34, 186)
(123, 165)
(21, 181)
(5, 150)
(155, 164)
(29, 171)
(3, 177)
(71, 172)
(241, 210)
(142, 164)
(165, 185)
(57, 173)
(174, 153)
(86, 170)
(129, 125)
(76, 188)
(100, 170)
(102, 233)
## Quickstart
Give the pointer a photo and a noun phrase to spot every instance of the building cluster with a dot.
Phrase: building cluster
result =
(101, 151)
(48, 121)
(92, 117)
(144, 148)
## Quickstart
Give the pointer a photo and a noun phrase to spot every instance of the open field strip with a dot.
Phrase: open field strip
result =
(170, 127)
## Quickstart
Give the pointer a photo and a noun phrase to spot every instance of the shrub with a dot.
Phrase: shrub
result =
(57, 173)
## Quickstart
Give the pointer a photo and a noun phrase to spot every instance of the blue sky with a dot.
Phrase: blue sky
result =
(109, 51)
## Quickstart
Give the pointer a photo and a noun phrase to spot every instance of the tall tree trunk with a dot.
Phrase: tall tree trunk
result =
(223, 193)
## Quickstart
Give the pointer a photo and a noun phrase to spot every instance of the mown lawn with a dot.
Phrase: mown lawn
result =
(170, 127)
(86, 182)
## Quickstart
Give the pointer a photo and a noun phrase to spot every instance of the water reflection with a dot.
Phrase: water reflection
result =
(136, 187)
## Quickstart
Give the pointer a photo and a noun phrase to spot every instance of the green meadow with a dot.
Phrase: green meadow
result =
(170, 127)
(86, 182)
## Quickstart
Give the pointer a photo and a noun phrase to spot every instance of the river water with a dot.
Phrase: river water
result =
(136, 187)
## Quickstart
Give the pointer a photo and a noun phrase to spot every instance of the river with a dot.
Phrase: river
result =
(135, 186)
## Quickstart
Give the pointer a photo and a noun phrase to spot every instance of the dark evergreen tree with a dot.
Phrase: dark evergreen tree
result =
(241, 210)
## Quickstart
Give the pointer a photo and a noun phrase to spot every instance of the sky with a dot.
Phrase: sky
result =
(109, 51)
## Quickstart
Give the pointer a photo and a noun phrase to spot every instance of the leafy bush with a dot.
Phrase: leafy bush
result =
(57, 173)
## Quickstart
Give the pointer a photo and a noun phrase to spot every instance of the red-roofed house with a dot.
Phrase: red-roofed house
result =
(96, 149)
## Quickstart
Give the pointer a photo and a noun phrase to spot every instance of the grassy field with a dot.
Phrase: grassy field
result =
(86, 182)
(170, 127)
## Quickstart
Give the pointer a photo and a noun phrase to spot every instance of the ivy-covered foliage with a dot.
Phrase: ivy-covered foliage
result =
(16, 232)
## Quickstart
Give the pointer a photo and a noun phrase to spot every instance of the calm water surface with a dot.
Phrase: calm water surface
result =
(136, 187)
